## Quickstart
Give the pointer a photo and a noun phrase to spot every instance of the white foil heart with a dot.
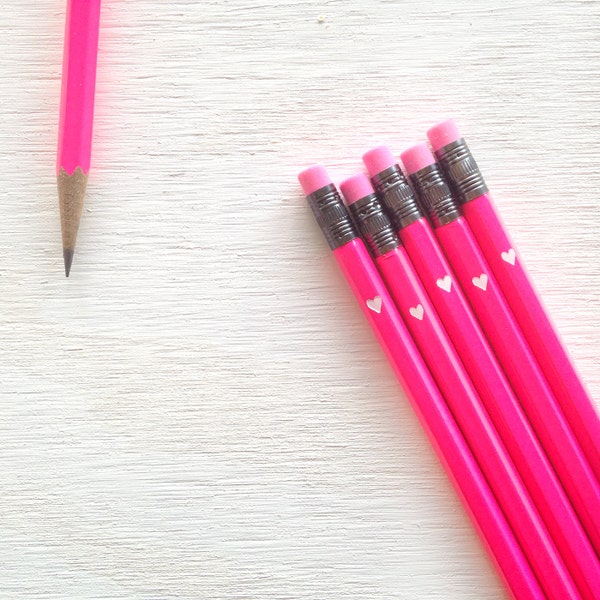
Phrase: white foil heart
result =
(481, 281)
(510, 257)
(374, 304)
(417, 311)
(445, 283)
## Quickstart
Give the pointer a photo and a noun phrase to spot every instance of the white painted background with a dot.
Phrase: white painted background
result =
(200, 411)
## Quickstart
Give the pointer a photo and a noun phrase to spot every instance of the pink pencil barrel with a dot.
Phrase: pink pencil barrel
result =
(503, 407)
(436, 419)
(486, 374)
(78, 85)
(544, 413)
(503, 258)
(448, 372)
(448, 442)
(505, 338)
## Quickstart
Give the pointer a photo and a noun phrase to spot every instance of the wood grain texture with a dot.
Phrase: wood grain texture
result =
(200, 410)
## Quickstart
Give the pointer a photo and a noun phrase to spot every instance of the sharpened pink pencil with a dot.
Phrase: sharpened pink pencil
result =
(76, 117)
(447, 440)
(465, 179)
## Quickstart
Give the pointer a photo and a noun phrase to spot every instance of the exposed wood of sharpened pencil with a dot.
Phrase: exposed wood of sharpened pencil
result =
(71, 192)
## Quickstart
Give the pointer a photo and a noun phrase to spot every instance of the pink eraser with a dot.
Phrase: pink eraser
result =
(314, 178)
(356, 187)
(378, 159)
(442, 134)
(416, 158)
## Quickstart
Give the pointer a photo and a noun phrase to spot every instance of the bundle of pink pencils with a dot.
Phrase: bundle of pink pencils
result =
(446, 294)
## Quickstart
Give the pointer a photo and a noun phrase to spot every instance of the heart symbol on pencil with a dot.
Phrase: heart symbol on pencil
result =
(481, 281)
(445, 283)
(374, 304)
(509, 256)
(417, 312)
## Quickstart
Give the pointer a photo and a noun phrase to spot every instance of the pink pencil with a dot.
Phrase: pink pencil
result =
(76, 117)
(503, 333)
(465, 179)
(486, 374)
(456, 387)
(449, 444)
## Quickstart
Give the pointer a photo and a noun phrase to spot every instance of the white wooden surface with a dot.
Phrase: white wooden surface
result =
(200, 410)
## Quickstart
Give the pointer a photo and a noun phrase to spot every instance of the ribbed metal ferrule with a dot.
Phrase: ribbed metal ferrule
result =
(397, 197)
(435, 195)
(332, 216)
(461, 171)
(374, 225)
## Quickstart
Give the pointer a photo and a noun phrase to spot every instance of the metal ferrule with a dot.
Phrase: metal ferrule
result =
(332, 216)
(397, 197)
(461, 171)
(374, 225)
(435, 195)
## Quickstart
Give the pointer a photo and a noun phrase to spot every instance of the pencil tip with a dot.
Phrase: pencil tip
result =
(68, 258)
(71, 190)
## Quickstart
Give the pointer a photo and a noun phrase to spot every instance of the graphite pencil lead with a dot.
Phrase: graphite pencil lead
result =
(68, 258)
